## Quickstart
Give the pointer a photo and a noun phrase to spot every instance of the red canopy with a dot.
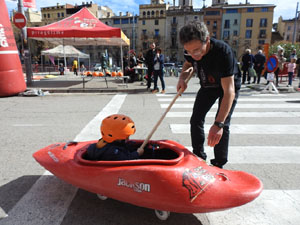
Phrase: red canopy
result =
(82, 28)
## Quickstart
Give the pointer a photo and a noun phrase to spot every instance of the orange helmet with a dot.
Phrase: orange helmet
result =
(116, 127)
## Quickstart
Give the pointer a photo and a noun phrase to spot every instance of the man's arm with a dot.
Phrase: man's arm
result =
(183, 75)
(215, 133)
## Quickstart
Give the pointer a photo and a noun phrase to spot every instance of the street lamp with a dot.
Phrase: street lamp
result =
(26, 53)
(295, 24)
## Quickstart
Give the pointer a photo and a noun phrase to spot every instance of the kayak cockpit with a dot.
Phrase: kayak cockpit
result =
(166, 154)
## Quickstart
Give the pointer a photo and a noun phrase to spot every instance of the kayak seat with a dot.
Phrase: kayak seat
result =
(161, 155)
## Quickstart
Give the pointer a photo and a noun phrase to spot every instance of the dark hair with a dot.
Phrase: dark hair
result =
(158, 50)
(194, 30)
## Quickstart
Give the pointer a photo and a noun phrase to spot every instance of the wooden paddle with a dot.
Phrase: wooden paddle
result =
(190, 71)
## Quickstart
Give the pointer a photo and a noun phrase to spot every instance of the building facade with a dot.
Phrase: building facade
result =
(152, 25)
(177, 17)
(52, 14)
(287, 28)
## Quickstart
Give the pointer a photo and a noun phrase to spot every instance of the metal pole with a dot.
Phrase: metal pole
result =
(295, 24)
(25, 48)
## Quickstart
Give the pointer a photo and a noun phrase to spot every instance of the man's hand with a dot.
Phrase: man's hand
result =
(181, 85)
(140, 151)
(214, 135)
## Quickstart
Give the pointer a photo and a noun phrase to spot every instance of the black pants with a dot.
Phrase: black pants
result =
(205, 99)
(159, 74)
(246, 75)
(277, 76)
(149, 79)
(258, 74)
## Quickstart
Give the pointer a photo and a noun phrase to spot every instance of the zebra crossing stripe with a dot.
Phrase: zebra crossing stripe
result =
(239, 100)
(276, 114)
(271, 207)
(240, 106)
(49, 198)
(259, 154)
(245, 129)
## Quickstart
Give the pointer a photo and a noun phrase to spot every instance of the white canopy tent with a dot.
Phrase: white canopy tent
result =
(65, 51)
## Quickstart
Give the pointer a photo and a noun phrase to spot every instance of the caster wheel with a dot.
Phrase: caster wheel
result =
(102, 197)
(162, 215)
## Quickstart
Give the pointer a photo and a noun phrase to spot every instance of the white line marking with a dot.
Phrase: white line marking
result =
(239, 99)
(240, 106)
(28, 125)
(271, 207)
(48, 200)
(245, 129)
(258, 154)
(242, 114)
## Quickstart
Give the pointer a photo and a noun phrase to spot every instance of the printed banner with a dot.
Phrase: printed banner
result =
(29, 3)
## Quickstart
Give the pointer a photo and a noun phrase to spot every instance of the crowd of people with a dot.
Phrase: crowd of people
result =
(153, 60)
(253, 66)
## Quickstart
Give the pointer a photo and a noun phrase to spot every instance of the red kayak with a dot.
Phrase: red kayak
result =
(172, 179)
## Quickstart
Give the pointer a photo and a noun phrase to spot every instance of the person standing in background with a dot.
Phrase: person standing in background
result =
(75, 66)
(149, 61)
(159, 71)
(259, 65)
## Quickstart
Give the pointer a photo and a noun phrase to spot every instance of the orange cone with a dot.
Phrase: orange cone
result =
(11, 75)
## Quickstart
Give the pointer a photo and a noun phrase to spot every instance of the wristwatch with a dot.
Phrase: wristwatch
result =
(219, 124)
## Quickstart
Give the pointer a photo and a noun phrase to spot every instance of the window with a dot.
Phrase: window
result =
(248, 34)
(48, 15)
(161, 12)
(263, 22)
(62, 14)
(262, 34)
(156, 32)
(45, 15)
(288, 37)
(196, 17)
(264, 9)
(261, 42)
(212, 13)
(144, 32)
(152, 13)
(214, 34)
(289, 28)
(144, 13)
(250, 10)
(156, 22)
(231, 11)
(215, 25)
(124, 21)
(174, 20)
(116, 21)
(226, 34)
(235, 22)
(235, 33)
(58, 14)
(249, 22)
(144, 22)
(208, 23)
(148, 13)
(227, 24)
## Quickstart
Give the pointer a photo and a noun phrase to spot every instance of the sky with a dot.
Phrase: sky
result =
(284, 8)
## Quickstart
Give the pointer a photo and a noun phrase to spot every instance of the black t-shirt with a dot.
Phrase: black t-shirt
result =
(218, 63)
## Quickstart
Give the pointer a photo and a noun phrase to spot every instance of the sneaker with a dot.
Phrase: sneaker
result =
(163, 91)
(154, 91)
